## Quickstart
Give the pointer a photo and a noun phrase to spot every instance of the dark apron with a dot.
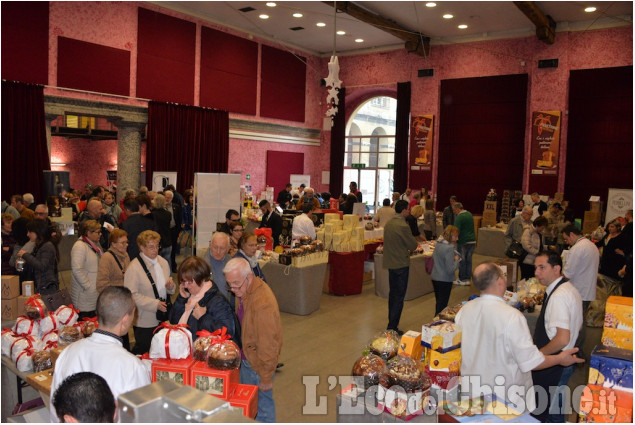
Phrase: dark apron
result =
(545, 378)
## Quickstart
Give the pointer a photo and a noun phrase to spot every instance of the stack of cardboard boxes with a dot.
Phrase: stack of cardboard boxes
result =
(507, 208)
(608, 397)
(10, 294)
(489, 214)
(592, 218)
(441, 341)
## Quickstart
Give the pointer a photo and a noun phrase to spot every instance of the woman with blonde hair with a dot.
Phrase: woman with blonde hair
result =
(85, 256)
(446, 262)
(114, 262)
(412, 220)
(148, 278)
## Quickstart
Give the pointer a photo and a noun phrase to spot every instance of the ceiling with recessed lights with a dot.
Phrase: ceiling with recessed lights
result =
(310, 25)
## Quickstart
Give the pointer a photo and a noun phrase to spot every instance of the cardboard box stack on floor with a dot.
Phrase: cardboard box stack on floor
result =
(489, 214)
(10, 294)
(608, 396)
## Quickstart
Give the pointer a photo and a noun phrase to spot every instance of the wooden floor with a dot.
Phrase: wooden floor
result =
(326, 343)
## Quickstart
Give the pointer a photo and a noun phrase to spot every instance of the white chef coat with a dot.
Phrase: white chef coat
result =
(496, 342)
(303, 226)
(581, 267)
(564, 310)
(104, 356)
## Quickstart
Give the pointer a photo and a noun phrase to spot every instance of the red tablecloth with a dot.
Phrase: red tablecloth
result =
(369, 250)
(347, 272)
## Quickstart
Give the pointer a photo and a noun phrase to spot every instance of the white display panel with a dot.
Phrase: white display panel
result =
(214, 194)
(620, 201)
(297, 179)
(160, 179)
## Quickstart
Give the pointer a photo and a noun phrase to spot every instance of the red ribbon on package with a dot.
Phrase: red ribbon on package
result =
(5, 330)
(50, 345)
(22, 318)
(90, 319)
(28, 339)
(28, 351)
(171, 328)
(204, 333)
(220, 335)
(36, 301)
(70, 316)
(52, 316)
(266, 232)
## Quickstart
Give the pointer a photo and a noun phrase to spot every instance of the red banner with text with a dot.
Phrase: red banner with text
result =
(545, 143)
(421, 128)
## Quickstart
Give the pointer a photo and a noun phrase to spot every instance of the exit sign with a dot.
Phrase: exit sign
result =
(391, 166)
(358, 165)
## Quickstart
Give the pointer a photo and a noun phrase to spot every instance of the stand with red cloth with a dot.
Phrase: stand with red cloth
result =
(346, 272)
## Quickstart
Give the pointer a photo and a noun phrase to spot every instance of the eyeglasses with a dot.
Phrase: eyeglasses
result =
(233, 285)
(238, 230)
(153, 247)
(123, 242)
(96, 231)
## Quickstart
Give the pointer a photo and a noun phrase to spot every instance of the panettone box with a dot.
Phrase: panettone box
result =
(172, 370)
(611, 367)
(619, 313)
(605, 405)
(245, 397)
(441, 335)
(219, 383)
(9, 308)
(402, 404)
(442, 367)
(10, 287)
(410, 345)
(617, 338)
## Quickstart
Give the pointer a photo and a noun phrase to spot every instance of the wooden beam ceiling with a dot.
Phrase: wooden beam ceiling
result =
(545, 25)
(415, 41)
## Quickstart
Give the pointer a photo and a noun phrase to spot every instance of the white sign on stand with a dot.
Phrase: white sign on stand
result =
(297, 179)
(214, 194)
(620, 201)
(160, 179)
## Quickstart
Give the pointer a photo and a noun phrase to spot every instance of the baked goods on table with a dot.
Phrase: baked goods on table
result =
(223, 354)
(68, 335)
(371, 367)
(385, 345)
(405, 372)
(41, 361)
(171, 342)
(35, 308)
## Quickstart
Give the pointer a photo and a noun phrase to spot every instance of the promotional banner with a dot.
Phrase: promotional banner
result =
(545, 142)
(620, 201)
(160, 179)
(421, 128)
(111, 180)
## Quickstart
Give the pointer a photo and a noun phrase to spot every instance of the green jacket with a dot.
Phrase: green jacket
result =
(465, 222)
(398, 240)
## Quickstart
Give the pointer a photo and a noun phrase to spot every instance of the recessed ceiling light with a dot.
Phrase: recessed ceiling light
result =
(321, 24)
(431, 4)
(462, 26)
(263, 16)
(297, 15)
(271, 4)
(359, 40)
(590, 9)
(340, 32)
(448, 16)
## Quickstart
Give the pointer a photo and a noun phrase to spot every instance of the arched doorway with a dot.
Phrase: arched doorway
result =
(369, 155)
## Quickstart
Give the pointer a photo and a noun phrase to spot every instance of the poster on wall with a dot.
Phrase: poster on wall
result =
(545, 142)
(620, 201)
(160, 179)
(421, 128)
(297, 179)
(111, 180)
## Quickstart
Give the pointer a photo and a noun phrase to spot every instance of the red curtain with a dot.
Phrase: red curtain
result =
(402, 142)
(338, 141)
(186, 139)
(24, 151)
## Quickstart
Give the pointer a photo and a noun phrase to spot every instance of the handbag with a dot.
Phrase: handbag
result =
(162, 316)
(516, 250)
(429, 262)
(184, 239)
(53, 297)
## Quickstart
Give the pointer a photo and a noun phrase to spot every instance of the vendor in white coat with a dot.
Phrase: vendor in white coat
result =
(85, 256)
(139, 284)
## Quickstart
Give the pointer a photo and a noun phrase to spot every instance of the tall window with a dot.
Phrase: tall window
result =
(369, 155)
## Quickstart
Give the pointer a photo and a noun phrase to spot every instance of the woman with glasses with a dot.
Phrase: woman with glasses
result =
(148, 269)
(200, 304)
(85, 256)
(248, 249)
(236, 229)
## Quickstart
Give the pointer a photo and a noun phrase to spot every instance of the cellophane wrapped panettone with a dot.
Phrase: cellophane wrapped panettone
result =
(171, 342)
(305, 240)
(371, 367)
(35, 308)
(8, 337)
(42, 361)
(68, 335)
(24, 360)
(48, 323)
(223, 353)
(405, 372)
(51, 336)
(88, 326)
(385, 344)
(22, 343)
(24, 325)
(66, 315)
(201, 345)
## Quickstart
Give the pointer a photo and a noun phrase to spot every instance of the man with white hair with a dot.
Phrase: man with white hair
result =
(28, 200)
(308, 198)
(259, 316)
(518, 225)
(217, 257)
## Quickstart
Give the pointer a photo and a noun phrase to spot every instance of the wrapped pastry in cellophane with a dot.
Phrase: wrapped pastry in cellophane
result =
(385, 344)
(370, 367)
(223, 353)
(405, 372)
(171, 342)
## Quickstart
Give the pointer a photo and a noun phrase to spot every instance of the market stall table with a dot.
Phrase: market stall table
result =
(419, 281)
(15, 388)
(297, 289)
(491, 242)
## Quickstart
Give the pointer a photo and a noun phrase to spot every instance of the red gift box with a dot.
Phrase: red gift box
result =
(219, 383)
(245, 397)
(172, 370)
